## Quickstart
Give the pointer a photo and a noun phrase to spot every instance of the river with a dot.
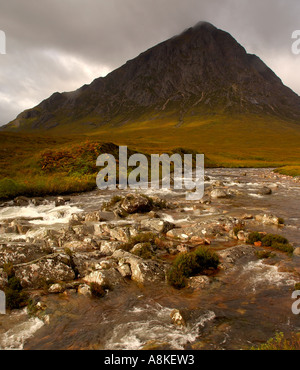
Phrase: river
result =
(241, 307)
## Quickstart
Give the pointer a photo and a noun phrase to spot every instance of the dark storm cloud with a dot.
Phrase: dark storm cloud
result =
(59, 45)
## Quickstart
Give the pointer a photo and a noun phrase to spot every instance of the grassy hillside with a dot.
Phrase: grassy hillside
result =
(237, 142)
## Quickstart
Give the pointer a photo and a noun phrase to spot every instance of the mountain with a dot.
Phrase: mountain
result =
(202, 73)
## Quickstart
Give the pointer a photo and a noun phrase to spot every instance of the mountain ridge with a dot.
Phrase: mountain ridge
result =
(201, 72)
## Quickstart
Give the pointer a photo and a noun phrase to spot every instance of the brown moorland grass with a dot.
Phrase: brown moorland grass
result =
(246, 141)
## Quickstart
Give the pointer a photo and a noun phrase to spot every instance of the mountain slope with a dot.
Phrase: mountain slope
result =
(200, 73)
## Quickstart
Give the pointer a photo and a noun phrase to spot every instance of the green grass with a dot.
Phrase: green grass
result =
(191, 264)
(274, 241)
(33, 166)
(140, 238)
(15, 296)
(281, 343)
(264, 254)
(289, 171)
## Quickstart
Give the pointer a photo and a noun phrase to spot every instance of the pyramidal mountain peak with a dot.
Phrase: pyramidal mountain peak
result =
(201, 72)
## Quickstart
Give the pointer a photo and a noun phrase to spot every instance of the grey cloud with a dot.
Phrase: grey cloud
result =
(57, 45)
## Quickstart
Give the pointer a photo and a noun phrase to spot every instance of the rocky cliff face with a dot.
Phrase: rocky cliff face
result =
(201, 71)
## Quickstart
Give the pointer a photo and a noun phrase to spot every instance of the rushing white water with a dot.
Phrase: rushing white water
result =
(262, 274)
(41, 215)
(153, 323)
(171, 219)
(15, 338)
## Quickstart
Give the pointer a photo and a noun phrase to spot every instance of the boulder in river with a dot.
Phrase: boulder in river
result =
(268, 219)
(22, 201)
(231, 255)
(108, 247)
(105, 278)
(177, 318)
(157, 225)
(297, 251)
(17, 253)
(264, 191)
(54, 267)
(136, 204)
(198, 282)
(143, 272)
(219, 194)
(56, 289)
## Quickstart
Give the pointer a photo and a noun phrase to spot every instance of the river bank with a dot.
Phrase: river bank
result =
(59, 246)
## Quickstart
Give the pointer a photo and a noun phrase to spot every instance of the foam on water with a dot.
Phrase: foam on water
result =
(255, 195)
(153, 323)
(15, 338)
(41, 215)
(171, 219)
(262, 274)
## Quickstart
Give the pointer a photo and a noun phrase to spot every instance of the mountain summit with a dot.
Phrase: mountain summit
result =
(202, 72)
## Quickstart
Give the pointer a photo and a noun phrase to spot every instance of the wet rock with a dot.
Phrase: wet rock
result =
(264, 191)
(198, 282)
(79, 246)
(56, 289)
(136, 204)
(124, 269)
(50, 268)
(21, 201)
(95, 216)
(121, 234)
(200, 231)
(102, 230)
(60, 201)
(242, 235)
(230, 256)
(205, 200)
(247, 217)
(200, 240)
(106, 265)
(152, 214)
(86, 262)
(297, 251)
(109, 247)
(76, 219)
(85, 290)
(157, 225)
(143, 272)
(268, 219)
(218, 183)
(20, 226)
(105, 278)
(17, 253)
(219, 194)
(38, 201)
(177, 318)
(83, 230)
(183, 248)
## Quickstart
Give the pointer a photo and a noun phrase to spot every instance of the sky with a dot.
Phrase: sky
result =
(60, 45)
